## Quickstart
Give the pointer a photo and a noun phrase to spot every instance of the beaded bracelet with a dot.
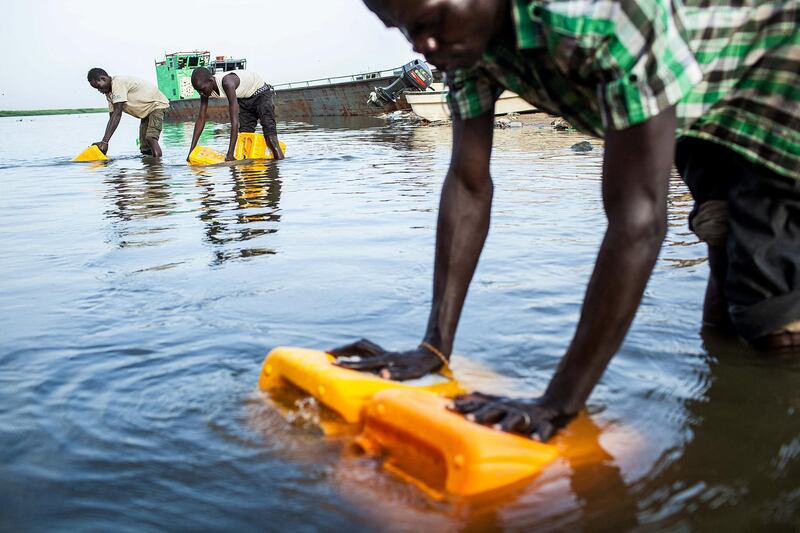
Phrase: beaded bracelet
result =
(435, 351)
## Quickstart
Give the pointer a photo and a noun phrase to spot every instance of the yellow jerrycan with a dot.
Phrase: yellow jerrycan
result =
(92, 153)
(254, 146)
(443, 453)
(202, 155)
(342, 390)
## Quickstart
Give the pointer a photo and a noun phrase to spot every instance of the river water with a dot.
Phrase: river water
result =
(139, 299)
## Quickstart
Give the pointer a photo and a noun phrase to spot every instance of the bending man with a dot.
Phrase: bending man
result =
(721, 78)
(137, 98)
(249, 102)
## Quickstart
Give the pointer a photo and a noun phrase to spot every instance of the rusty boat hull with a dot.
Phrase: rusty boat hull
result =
(331, 100)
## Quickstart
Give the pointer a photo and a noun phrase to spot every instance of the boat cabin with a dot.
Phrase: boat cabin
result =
(174, 73)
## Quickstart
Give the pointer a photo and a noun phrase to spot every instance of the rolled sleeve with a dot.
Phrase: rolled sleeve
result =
(472, 93)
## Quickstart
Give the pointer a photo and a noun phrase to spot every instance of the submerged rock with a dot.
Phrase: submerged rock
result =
(561, 125)
(407, 117)
(506, 122)
(583, 146)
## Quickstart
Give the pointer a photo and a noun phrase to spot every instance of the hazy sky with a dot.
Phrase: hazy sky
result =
(49, 45)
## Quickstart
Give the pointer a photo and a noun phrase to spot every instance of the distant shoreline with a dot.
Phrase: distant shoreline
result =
(41, 112)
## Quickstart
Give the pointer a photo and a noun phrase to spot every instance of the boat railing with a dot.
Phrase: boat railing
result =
(339, 79)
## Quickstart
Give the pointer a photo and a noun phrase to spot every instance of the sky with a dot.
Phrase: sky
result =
(51, 44)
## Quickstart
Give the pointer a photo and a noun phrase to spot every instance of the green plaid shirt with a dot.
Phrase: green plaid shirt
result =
(732, 67)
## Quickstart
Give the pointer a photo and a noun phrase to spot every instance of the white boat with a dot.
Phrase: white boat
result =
(432, 105)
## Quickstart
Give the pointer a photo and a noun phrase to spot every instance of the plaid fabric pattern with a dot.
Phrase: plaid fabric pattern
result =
(732, 67)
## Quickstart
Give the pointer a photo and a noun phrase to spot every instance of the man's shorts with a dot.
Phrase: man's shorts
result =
(754, 213)
(150, 128)
(258, 108)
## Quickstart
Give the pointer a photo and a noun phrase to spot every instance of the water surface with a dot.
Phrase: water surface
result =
(139, 298)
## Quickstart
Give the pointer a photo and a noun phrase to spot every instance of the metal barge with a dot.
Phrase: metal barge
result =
(323, 97)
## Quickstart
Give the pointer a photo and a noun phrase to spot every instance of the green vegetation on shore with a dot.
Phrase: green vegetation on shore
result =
(38, 112)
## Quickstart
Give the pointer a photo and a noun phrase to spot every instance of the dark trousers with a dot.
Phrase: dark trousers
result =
(258, 108)
(754, 213)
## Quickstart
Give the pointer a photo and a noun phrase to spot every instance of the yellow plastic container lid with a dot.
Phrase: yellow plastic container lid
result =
(442, 452)
(92, 153)
(254, 146)
(202, 155)
(342, 390)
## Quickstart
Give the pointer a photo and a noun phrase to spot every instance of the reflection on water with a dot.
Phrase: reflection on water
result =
(136, 196)
(240, 209)
(139, 298)
(241, 206)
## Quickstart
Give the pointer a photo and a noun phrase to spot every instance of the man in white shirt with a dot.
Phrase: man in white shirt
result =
(249, 102)
(137, 98)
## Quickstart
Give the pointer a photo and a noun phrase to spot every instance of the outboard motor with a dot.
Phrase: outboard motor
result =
(416, 75)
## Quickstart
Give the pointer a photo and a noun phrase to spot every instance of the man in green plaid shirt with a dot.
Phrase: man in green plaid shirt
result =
(713, 86)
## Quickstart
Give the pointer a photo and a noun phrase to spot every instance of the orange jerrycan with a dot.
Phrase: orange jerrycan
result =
(92, 153)
(254, 146)
(442, 452)
(202, 155)
(342, 390)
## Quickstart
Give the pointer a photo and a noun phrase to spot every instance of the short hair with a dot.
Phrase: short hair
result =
(200, 74)
(95, 73)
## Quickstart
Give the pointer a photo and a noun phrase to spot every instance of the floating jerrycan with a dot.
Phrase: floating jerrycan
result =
(202, 155)
(443, 453)
(408, 424)
(254, 146)
(342, 390)
(92, 153)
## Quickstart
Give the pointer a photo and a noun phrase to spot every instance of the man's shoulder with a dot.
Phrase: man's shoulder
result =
(130, 81)
(238, 73)
(243, 74)
(121, 78)
(233, 76)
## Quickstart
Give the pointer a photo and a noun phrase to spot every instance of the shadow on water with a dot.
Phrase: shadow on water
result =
(740, 468)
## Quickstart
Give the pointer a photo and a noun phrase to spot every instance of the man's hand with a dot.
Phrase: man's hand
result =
(536, 418)
(103, 146)
(367, 356)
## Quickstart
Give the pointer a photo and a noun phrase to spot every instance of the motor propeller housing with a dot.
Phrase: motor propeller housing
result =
(416, 76)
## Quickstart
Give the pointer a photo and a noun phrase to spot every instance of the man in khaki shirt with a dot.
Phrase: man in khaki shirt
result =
(137, 98)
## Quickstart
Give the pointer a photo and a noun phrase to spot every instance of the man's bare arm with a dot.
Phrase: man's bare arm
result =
(635, 186)
(636, 172)
(200, 124)
(229, 85)
(113, 121)
(463, 224)
(464, 213)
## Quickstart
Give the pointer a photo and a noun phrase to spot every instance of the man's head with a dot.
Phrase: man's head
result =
(203, 81)
(449, 33)
(100, 80)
